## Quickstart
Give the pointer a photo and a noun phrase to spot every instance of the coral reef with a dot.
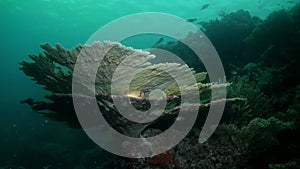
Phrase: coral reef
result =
(261, 121)
(54, 70)
(227, 35)
(261, 60)
(230, 147)
(257, 104)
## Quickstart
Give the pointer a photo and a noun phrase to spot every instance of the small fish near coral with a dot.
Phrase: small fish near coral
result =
(136, 94)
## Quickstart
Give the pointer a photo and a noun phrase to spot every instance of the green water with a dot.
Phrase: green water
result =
(28, 139)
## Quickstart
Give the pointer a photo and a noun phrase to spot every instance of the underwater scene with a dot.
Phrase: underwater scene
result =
(127, 84)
